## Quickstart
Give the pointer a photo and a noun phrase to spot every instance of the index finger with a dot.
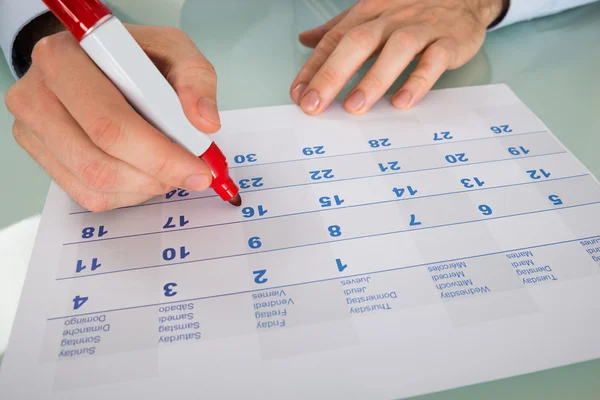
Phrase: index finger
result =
(104, 114)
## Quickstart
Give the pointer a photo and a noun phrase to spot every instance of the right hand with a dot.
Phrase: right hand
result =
(76, 124)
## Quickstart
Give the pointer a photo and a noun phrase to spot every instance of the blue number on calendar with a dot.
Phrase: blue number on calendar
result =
(260, 276)
(454, 158)
(254, 242)
(89, 232)
(240, 158)
(400, 191)
(178, 193)
(517, 151)
(335, 231)
(310, 151)
(249, 212)
(322, 174)
(170, 254)
(81, 266)
(442, 136)
(485, 209)
(500, 129)
(391, 165)
(170, 224)
(537, 174)
(471, 183)
(78, 301)
(328, 201)
(555, 200)
(168, 288)
(413, 220)
(340, 265)
(252, 182)
(385, 142)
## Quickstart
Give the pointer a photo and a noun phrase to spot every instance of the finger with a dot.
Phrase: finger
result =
(312, 37)
(192, 76)
(85, 197)
(433, 64)
(106, 117)
(354, 49)
(399, 51)
(323, 50)
(65, 139)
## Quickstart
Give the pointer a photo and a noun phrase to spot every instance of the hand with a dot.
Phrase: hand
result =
(73, 121)
(443, 34)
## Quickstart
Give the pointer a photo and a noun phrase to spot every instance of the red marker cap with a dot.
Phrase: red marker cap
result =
(79, 16)
(222, 184)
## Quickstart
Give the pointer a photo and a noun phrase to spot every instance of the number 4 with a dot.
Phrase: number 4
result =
(78, 301)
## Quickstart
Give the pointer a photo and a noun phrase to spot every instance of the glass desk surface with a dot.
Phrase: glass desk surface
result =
(552, 64)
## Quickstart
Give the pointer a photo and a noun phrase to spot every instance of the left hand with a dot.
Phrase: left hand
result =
(443, 34)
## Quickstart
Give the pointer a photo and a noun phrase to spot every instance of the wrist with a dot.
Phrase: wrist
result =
(44, 25)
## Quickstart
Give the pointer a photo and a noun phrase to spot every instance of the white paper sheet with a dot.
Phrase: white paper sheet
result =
(379, 257)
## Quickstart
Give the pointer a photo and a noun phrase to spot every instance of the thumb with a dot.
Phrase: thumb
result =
(312, 37)
(192, 76)
(195, 82)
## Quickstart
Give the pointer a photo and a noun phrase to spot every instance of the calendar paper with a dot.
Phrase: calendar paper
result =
(381, 256)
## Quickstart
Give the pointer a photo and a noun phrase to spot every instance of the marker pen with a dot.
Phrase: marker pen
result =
(117, 54)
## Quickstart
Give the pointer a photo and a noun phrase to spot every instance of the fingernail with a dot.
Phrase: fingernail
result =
(310, 102)
(208, 109)
(402, 99)
(197, 183)
(297, 92)
(356, 101)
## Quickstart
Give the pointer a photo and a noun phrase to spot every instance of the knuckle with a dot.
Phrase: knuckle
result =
(439, 55)
(331, 39)
(174, 33)
(431, 17)
(106, 132)
(15, 99)
(404, 40)
(373, 81)
(94, 202)
(420, 80)
(99, 175)
(367, 7)
(328, 74)
(19, 133)
(360, 36)
(159, 166)
(49, 48)
(194, 67)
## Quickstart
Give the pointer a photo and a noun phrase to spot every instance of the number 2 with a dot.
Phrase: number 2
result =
(391, 165)
(500, 129)
(442, 136)
(535, 174)
(251, 182)
(322, 174)
(454, 158)
(309, 151)
(385, 142)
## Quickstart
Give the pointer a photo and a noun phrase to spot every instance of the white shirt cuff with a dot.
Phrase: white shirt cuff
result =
(525, 10)
(14, 15)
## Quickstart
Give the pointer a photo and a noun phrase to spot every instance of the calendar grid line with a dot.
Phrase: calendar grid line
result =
(327, 242)
(343, 180)
(326, 279)
(322, 210)
(381, 150)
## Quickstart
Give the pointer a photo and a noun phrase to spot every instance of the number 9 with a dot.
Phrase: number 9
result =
(485, 210)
